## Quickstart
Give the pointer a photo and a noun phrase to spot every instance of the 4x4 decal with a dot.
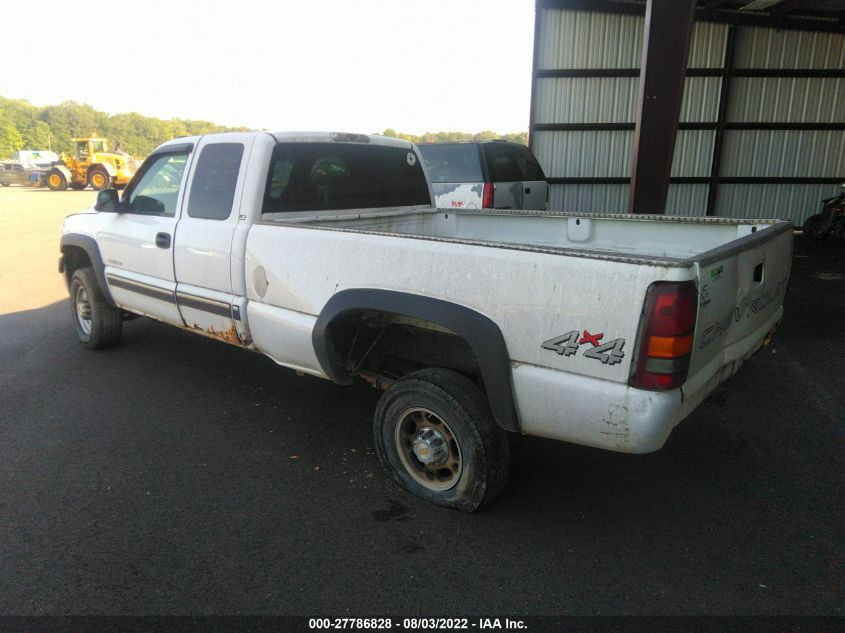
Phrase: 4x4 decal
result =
(609, 353)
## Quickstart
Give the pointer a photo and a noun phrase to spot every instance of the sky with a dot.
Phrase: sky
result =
(354, 65)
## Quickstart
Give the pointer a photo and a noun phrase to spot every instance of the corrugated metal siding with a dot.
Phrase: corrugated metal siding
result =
(693, 153)
(707, 47)
(767, 48)
(792, 202)
(586, 40)
(614, 99)
(603, 154)
(584, 154)
(783, 153)
(585, 100)
(581, 39)
(790, 153)
(687, 200)
(787, 99)
(701, 99)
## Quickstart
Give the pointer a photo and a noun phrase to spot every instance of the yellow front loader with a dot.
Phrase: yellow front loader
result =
(93, 165)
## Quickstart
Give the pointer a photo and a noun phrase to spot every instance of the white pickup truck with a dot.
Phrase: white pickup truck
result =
(324, 252)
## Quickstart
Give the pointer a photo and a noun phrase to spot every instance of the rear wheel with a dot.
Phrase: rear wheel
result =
(56, 180)
(99, 179)
(98, 325)
(436, 437)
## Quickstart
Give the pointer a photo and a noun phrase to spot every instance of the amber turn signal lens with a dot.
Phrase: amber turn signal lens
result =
(669, 346)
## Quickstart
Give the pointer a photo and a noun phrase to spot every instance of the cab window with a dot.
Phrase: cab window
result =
(157, 190)
(335, 176)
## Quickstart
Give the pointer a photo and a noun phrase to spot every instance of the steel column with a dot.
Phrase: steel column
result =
(666, 42)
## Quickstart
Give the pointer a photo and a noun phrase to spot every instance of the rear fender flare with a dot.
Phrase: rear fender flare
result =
(481, 334)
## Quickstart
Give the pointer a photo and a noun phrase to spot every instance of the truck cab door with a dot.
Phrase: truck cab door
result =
(209, 278)
(137, 243)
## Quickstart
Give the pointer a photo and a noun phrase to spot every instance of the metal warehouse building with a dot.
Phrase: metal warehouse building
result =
(760, 122)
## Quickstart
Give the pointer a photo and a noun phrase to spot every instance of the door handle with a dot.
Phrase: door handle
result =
(163, 240)
(528, 190)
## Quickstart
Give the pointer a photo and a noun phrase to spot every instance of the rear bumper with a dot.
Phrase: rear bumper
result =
(593, 412)
(613, 416)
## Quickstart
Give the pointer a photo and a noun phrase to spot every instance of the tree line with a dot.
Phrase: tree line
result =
(445, 137)
(26, 126)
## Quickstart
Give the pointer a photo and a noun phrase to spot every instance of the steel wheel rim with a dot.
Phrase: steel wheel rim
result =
(54, 180)
(98, 180)
(83, 310)
(437, 476)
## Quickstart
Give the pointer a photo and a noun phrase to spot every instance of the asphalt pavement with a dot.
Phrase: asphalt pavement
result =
(177, 475)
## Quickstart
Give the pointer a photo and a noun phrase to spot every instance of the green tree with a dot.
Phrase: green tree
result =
(10, 139)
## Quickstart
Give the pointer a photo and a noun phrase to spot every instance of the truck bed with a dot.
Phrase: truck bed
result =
(651, 239)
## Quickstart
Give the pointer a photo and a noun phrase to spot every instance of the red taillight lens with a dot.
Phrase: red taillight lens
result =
(667, 336)
(675, 306)
(487, 196)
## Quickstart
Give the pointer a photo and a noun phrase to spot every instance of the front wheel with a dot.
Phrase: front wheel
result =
(436, 437)
(98, 325)
(56, 180)
(99, 179)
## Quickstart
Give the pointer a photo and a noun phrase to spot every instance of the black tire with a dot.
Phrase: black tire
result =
(812, 227)
(5, 184)
(105, 322)
(99, 179)
(483, 450)
(56, 180)
(78, 186)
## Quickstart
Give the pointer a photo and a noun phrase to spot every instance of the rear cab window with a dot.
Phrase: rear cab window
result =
(452, 162)
(338, 176)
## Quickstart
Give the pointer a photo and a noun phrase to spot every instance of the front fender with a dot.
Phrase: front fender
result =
(89, 245)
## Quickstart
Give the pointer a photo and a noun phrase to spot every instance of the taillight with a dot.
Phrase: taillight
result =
(667, 336)
(487, 196)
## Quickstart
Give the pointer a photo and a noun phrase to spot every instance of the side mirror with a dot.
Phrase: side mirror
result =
(108, 201)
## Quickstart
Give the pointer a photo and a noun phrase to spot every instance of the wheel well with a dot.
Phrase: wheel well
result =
(74, 258)
(419, 331)
(381, 347)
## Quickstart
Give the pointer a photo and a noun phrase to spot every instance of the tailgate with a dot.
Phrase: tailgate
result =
(741, 288)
